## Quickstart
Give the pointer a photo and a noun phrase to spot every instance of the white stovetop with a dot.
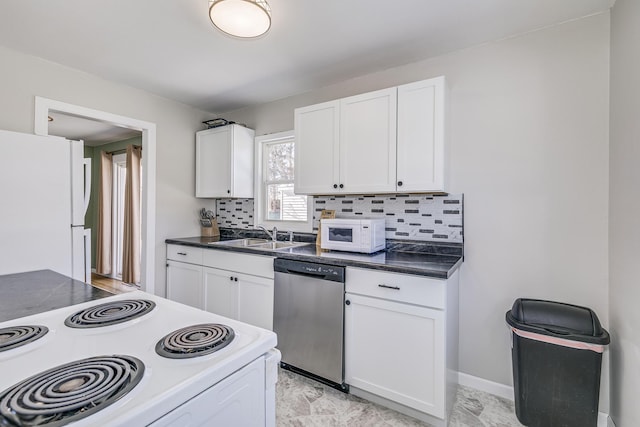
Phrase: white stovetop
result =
(167, 382)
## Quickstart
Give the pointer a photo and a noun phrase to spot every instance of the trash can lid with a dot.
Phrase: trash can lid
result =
(557, 319)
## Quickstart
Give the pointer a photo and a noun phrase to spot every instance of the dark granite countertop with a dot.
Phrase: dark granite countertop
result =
(437, 260)
(24, 294)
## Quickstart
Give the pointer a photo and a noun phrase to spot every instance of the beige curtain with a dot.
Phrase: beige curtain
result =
(103, 245)
(131, 243)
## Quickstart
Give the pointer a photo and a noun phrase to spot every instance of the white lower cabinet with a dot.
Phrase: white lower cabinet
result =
(220, 292)
(401, 340)
(184, 283)
(239, 296)
(255, 300)
(394, 350)
(234, 285)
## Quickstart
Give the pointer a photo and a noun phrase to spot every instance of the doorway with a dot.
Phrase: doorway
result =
(45, 107)
(106, 230)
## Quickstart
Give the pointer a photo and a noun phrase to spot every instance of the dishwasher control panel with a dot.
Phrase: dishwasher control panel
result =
(321, 271)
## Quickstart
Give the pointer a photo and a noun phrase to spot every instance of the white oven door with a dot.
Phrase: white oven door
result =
(238, 400)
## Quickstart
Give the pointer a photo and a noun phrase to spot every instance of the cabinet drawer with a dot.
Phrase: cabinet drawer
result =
(406, 288)
(256, 265)
(184, 254)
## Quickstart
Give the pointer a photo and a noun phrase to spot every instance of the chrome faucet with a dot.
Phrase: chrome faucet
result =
(273, 233)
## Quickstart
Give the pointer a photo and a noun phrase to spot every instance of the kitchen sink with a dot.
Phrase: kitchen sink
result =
(240, 243)
(274, 246)
(258, 244)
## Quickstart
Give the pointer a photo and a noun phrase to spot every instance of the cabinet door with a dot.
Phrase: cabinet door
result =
(255, 300)
(421, 136)
(317, 139)
(184, 283)
(396, 351)
(213, 162)
(242, 149)
(368, 142)
(220, 292)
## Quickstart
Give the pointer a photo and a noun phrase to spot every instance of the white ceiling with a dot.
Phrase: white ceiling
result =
(92, 132)
(170, 48)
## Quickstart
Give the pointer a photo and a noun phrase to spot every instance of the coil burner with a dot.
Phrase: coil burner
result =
(69, 392)
(17, 336)
(109, 313)
(195, 341)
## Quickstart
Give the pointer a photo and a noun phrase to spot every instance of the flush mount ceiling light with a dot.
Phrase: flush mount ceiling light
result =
(241, 18)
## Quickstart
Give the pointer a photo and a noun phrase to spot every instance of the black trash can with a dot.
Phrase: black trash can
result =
(557, 356)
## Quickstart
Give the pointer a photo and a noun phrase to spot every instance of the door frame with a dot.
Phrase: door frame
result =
(41, 127)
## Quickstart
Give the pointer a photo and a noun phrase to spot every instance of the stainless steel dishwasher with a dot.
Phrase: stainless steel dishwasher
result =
(309, 319)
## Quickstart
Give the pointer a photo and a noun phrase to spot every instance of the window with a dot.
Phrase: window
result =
(276, 203)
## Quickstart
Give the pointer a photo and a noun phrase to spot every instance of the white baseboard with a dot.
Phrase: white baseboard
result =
(506, 391)
(487, 386)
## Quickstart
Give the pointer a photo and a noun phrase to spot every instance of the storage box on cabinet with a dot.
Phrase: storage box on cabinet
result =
(187, 254)
(406, 288)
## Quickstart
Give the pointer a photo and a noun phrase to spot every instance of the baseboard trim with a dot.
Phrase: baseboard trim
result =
(505, 391)
(487, 386)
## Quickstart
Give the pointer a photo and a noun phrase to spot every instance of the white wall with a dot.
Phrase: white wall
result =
(624, 211)
(529, 139)
(22, 77)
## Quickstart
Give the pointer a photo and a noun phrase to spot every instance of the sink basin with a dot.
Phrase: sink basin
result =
(274, 246)
(240, 243)
(262, 244)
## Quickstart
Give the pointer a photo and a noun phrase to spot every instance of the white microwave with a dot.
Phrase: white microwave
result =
(353, 235)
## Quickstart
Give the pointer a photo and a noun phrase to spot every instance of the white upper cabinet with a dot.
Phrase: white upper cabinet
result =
(387, 141)
(421, 138)
(224, 162)
(368, 142)
(317, 148)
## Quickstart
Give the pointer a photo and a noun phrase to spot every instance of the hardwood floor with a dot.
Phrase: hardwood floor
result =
(111, 285)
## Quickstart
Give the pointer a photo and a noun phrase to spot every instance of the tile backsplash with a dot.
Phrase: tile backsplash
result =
(235, 213)
(426, 217)
(407, 216)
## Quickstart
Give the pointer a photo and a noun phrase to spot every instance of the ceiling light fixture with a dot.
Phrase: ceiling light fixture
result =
(241, 18)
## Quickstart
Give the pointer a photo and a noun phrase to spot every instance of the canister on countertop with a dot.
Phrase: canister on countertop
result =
(209, 224)
(209, 227)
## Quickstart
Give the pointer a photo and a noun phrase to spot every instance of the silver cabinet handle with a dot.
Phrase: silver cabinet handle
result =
(182, 253)
(396, 288)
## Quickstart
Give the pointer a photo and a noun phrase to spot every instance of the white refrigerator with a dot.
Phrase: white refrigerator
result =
(45, 185)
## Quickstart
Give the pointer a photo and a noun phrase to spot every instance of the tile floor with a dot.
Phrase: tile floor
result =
(303, 402)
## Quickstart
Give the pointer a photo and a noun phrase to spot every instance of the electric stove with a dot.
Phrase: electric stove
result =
(135, 359)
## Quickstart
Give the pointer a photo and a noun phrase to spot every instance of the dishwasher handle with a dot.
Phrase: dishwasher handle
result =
(333, 273)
